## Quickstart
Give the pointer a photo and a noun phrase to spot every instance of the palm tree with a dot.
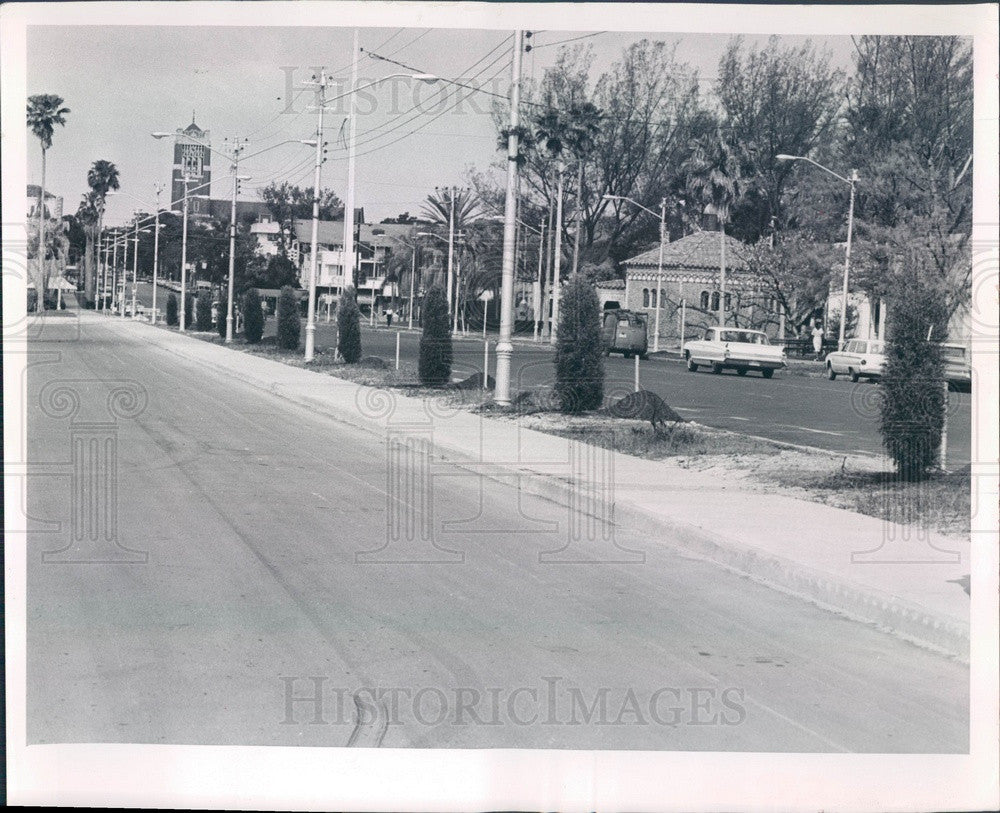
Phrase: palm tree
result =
(455, 209)
(45, 110)
(88, 215)
(714, 178)
(102, 177)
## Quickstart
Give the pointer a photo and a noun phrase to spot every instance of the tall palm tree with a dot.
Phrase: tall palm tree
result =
(45, 110)
(102, 177)
(714, 178)
(88, 216)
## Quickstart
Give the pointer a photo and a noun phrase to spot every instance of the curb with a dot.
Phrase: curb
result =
(887, 612)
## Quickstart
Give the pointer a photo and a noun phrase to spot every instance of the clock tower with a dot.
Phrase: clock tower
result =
(192, 159)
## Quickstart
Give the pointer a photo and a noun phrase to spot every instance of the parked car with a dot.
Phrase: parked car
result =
(624, 332)
(860, 358)
(957, 366)
(734, 349)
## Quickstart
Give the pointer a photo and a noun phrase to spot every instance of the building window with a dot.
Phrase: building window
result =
(663, 298)
(729, 303)
(704, 300)
(645, 297)
(715, 300)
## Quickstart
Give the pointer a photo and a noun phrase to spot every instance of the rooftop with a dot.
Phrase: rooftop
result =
(698, 250)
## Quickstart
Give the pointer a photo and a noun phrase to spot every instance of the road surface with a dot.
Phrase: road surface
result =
(251, 603)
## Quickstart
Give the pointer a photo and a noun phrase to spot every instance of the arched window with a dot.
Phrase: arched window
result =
(704, 300)
(645, 297)
(663, 298)
(729, 302)
(715, 300)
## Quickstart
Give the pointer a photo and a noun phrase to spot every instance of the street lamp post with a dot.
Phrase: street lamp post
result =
(135, 263)
(156, 253)
(348, 251)
(852, 182)
(505, 349)
(658, 297)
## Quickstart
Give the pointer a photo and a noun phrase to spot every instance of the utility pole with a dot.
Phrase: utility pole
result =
(314, 240)
(156, 250)
(135, 265)
(114, 268)
(184, 248)
(557, 258)
(451, 242)
(121, 301)
(722, 268)
(237, 149)
(504, 347)
(413, 273)
(537, 298)
(847, 261)
(349, 253)
(659, 276)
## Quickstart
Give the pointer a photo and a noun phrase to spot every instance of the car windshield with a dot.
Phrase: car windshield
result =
(876, 347)
(745, 336)
(953, 353)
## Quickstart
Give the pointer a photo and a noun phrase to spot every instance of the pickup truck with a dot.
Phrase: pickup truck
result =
(734, 349)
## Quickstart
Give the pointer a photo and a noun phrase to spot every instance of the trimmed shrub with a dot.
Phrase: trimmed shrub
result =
(172, 313)
(349, 327)
(253, 317)
(203, 311)
(579, 358)
(220, 323)
(912, 400)
(289, 329)
(188, 311)
(434, 366)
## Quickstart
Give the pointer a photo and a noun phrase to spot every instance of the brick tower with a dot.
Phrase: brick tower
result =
(192, 158)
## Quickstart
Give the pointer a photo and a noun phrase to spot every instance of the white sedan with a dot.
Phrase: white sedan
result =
(860, 358)
(734, 349)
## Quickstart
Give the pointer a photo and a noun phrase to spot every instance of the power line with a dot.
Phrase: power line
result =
(529, 48)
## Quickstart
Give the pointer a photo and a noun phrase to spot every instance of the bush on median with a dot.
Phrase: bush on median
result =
(289, 329)
(349, 327)
(434, 366)
(253, 317)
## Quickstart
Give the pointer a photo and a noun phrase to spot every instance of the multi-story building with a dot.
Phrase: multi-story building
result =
(193, 161)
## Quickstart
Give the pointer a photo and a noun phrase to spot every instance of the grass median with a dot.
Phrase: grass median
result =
(860, 483)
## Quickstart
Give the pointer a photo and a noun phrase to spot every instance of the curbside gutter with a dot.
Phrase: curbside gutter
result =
(888, 612)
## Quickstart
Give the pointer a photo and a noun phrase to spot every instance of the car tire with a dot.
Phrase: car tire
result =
(692, 367)
(644, 356)
(627, 355)
(855, 378)
(741, 371)
(830, 373)
(767, 373)
(716, 368)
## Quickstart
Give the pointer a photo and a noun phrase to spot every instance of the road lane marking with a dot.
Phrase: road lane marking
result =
(807, 429)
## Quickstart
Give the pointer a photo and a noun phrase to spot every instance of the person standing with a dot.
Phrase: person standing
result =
(388, 317)
(817, 334)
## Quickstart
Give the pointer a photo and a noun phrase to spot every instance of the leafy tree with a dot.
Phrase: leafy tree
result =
(45, 110)
(434, 365)
(281, 272)
(203, 311)
(253, 317)
(579, 355)
(287, 202)
(172, 311)
(774, 100)
(912, 406)
(349, 327)
(289, 329)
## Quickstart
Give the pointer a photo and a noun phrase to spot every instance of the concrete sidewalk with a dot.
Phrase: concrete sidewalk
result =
(899, 578)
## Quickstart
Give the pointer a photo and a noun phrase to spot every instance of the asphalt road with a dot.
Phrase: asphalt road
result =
(250, 513)
(792, 408)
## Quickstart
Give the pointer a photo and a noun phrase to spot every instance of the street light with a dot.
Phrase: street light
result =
(852, 181)
(659, 266)
(348, 251)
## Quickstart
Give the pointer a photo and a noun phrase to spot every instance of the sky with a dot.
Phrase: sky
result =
(122, 83)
